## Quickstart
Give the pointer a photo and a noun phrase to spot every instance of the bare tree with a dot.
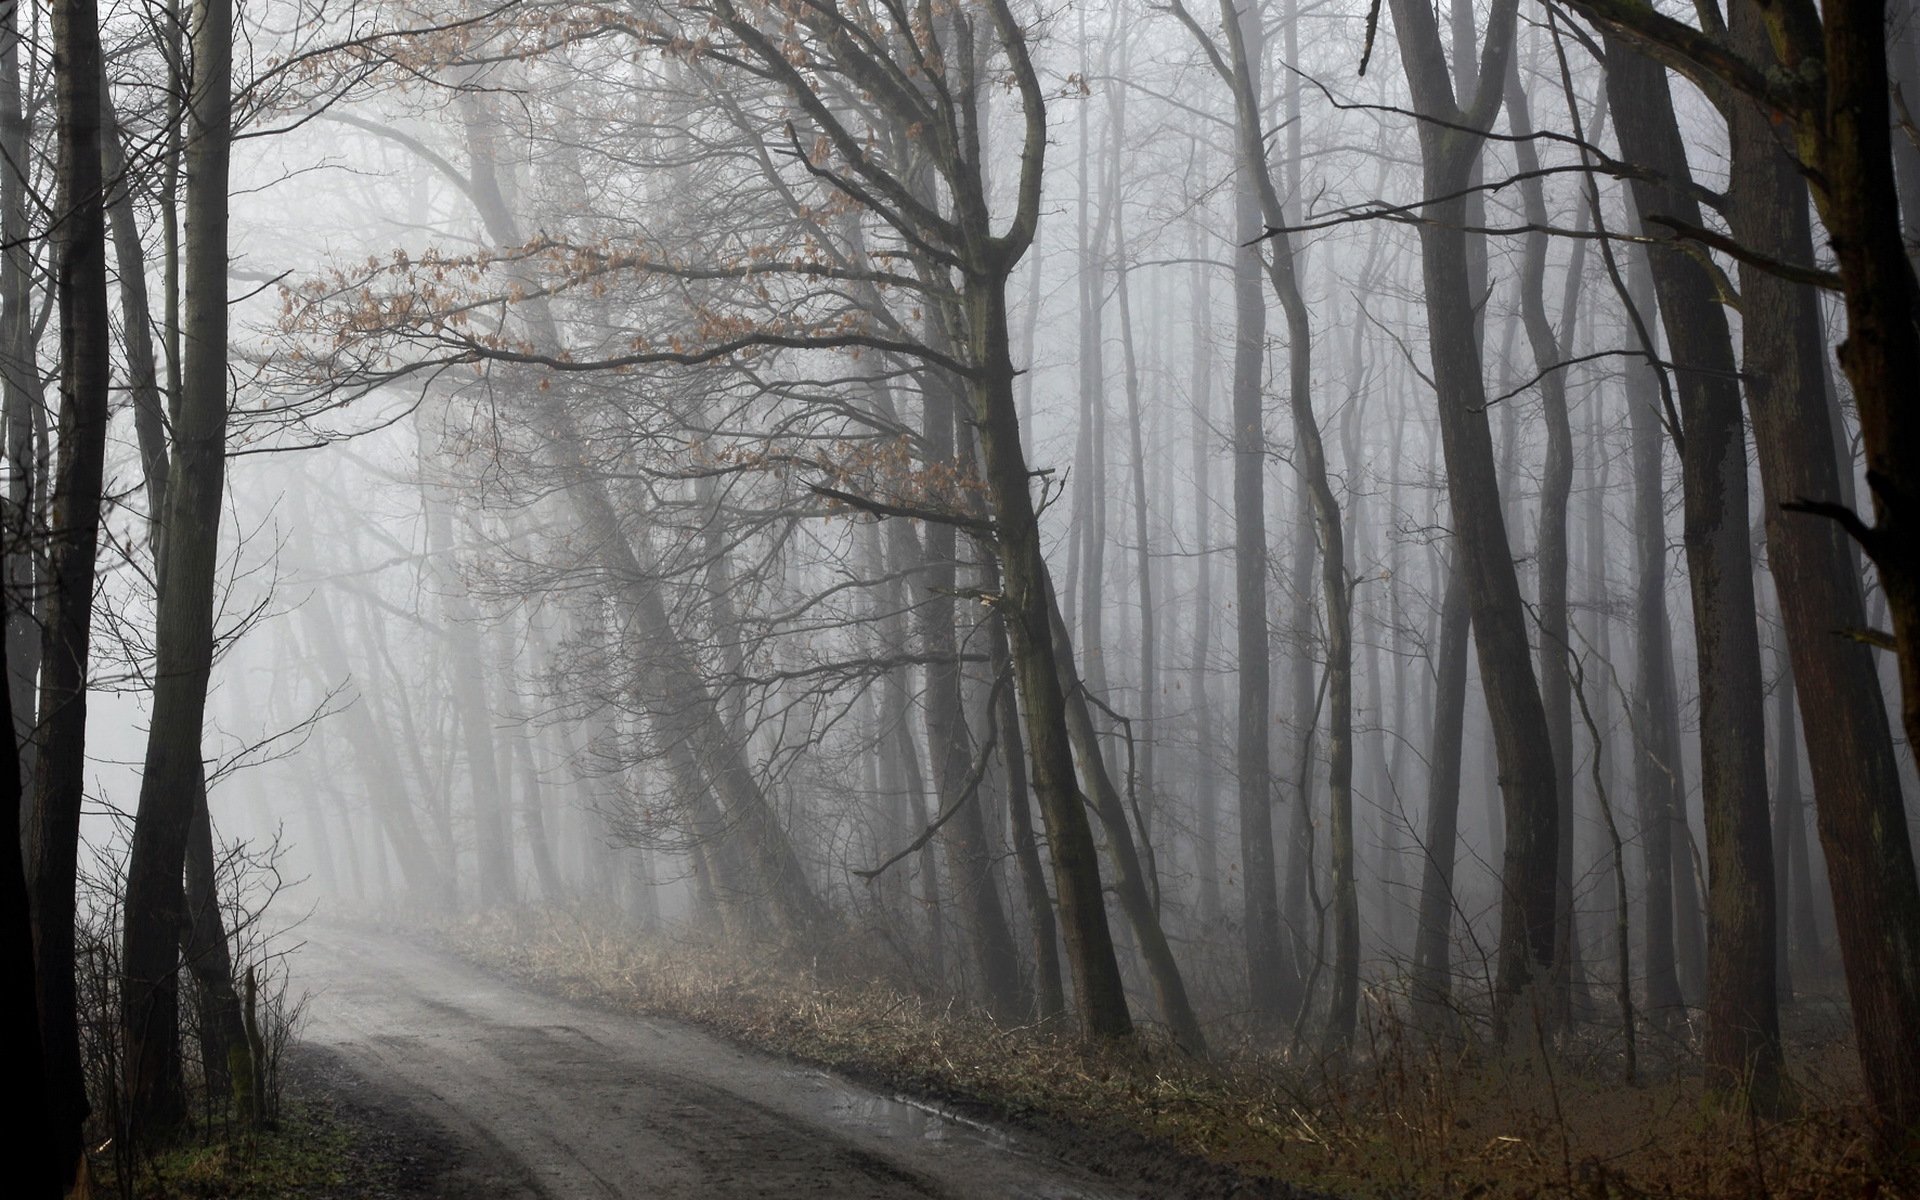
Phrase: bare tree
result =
(1451, 133)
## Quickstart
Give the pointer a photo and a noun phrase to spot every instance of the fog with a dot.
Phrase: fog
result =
(1232, 536)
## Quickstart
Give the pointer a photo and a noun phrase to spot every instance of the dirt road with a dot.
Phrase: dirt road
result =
(558, 1100)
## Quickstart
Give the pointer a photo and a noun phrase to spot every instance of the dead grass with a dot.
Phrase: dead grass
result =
(1399, 1117)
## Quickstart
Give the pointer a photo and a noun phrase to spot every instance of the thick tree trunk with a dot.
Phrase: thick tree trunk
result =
(21, 396)
(53, 835)
(205, 952)
(1787, 814)
(1850, 748)
(39, 1164)
(1743, 1028)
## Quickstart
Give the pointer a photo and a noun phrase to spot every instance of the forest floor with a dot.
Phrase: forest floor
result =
(1395, 1118)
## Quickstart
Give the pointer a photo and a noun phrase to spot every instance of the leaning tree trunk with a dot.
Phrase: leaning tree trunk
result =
(1130, 884)
(708, 757)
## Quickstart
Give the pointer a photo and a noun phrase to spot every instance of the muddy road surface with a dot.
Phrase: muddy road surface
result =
(556, 1100)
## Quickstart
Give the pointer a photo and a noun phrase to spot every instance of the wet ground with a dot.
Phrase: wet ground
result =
(518, 1094)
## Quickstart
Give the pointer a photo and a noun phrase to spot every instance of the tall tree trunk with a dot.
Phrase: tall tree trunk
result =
(1033, 878)
(1550, 349)
(964, 836)
(1260, 918)
(1657, 780)
(23, 396)
(1206, 859)
(1146, 730)
(203, 937)
(53, 837)
(1850, 749)
(136, 320)
(1450, 143)
(39, 1165)
(1432, 949)
(183, 649)
(1743, 1027)
(1244, 52)
(1025, 604)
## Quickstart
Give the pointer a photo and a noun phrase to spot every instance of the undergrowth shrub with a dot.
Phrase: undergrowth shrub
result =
(248, 881)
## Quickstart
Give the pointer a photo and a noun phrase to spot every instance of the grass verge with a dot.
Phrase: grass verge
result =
(336, 1139)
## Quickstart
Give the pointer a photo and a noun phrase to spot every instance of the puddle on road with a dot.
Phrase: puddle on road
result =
(898, 1118)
